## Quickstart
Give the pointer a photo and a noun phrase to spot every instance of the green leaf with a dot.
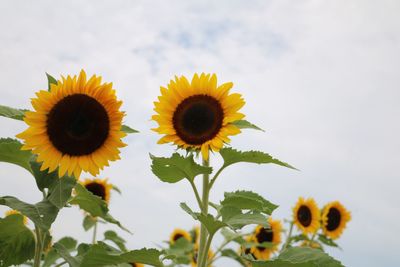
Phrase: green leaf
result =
(212, 224)
(17, 242)
(60, 191)
(93, 205)
(230, 253)
(232, 156)
(65, 253)
(300, 257)
(44, 179)
(50, 80)
(235, 219)
(88, 222)
(177, 167)
(12, 113)
(67, 244)
(243, 124)
(230, 236)
(327, 241)
(179, 251)
(247, 200)
(43, 214)
(10, 151)
(113, 236)
(99, 255)
(128, 130)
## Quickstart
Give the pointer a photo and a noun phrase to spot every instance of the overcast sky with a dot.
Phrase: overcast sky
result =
(321, 77)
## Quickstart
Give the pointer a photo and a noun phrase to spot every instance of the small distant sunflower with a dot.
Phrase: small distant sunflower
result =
(271, 234)
(12, 212)
(137, 264)
(197, 115)
(76, 126)
(334, 219)
(307, 215)
(99, 187)
(179, 233)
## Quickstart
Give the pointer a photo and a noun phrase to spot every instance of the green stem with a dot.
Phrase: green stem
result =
(204, 258)
(288, 237)
(61, 264)
(38, 248)
(94, 232)
(216, 176)
(196, 192)
(204, 211)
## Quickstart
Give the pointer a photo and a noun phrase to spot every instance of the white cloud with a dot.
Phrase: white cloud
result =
(320, 76)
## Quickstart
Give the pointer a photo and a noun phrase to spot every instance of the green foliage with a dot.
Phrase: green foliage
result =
(43, 179)
(300, 257)
(236, 219)
(244, 124)
(65, 253)
(88, 222)
(60, 191)
(43, 214)
(17, 242)
(176, 168)
(232, 156)
(12, 113)
(93, 205)
(180, 251)
(10, 151)
(128, 130)
(327, 241)
(117, 240)
(230, 253)
(247, 200)
(66, 244)
(50, 80)
(101, 255)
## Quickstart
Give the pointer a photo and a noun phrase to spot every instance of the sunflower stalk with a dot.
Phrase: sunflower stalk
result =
(204, 210)
(38, 247)
(94, 233)
(288, 237)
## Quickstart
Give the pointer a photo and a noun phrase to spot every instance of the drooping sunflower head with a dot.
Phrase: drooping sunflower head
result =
(197, 115)
(12, 212)
(271, 234)
(99, 187)
(334, 219)
(75, 126)
(137, 264)
(306, 215)
(179, 233)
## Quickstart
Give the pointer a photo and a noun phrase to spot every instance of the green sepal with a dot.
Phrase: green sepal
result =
(244, 124)
(128, 130)
(50, 80)
(12, 113)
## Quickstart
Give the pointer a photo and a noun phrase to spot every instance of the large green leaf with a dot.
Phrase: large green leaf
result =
(236, 219)
(88, 222)
(10, 151)
(93, 205)
(17, 242)
(12, 113)
(65, 253)
(67, 244)
(232, 156)
(176, 168)
(243, 124)
(247, 200)
(128, 130)
(43, 214)
(300, 257)
(99, 255)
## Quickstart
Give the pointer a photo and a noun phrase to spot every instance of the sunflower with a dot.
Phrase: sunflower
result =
(196, 253)
(307, 215)
(13, 212)
(179, 233)
(271, 234)
(197, 115)
(136, 264)
(75, 126)
(99, 187)
(334, 219)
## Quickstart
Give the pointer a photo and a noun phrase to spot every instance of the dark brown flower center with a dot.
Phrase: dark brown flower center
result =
(334, 218)
(97, 190)
(133, 264)
(304, 216)
(177, 236)
(198, 119)
(78, 125)
(264, 235)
